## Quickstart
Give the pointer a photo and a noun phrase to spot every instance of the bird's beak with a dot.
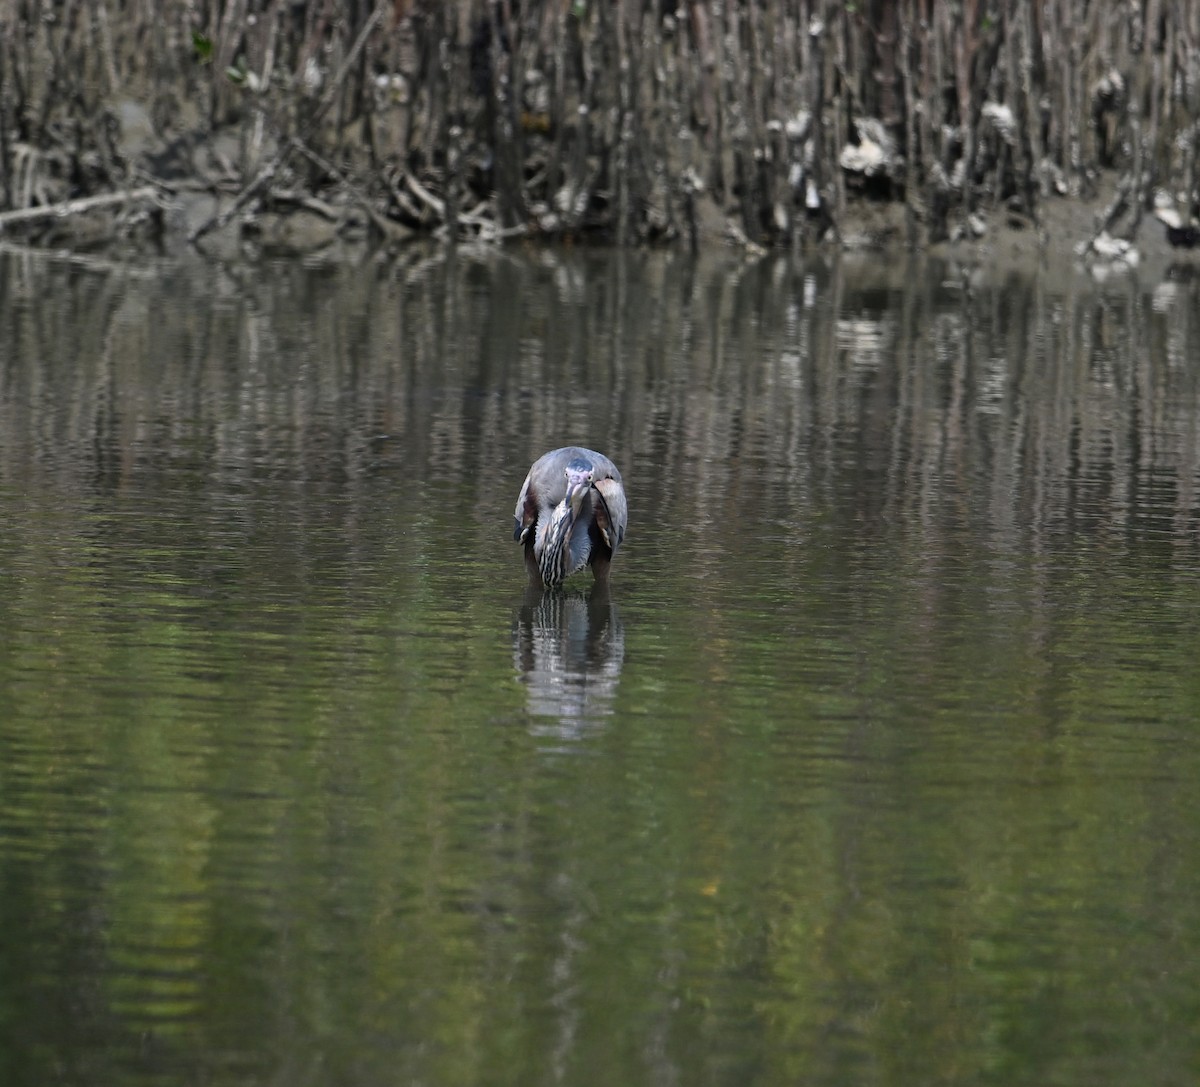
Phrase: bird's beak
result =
(576, 493)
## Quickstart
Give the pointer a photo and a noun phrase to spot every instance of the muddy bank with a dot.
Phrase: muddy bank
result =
(292, 127)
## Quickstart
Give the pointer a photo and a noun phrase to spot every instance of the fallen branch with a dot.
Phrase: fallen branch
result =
(264, 178)
(436, 205)
(77, 207)
(384, 226)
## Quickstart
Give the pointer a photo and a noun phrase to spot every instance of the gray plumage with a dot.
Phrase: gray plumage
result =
(571, 513)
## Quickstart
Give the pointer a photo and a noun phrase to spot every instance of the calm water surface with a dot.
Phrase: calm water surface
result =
(878, 764)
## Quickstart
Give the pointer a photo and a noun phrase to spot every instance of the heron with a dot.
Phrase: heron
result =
(571, 513)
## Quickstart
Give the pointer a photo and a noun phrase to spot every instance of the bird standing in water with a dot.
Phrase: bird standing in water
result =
(571, 513)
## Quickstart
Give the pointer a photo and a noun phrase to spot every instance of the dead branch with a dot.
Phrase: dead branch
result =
(384, 226)
(81, 206)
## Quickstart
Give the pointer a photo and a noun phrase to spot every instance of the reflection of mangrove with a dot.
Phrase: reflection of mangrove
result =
(756, 382)
(641, 120)
(568, 650)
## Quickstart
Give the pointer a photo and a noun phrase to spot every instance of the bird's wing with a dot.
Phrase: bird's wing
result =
(612, 513)
(527, 510)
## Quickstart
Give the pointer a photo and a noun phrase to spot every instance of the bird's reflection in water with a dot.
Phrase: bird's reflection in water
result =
(568, 649)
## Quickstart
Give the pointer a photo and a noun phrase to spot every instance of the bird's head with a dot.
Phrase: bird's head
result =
(580, 475)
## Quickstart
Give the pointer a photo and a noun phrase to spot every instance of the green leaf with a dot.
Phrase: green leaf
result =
(203, 46)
